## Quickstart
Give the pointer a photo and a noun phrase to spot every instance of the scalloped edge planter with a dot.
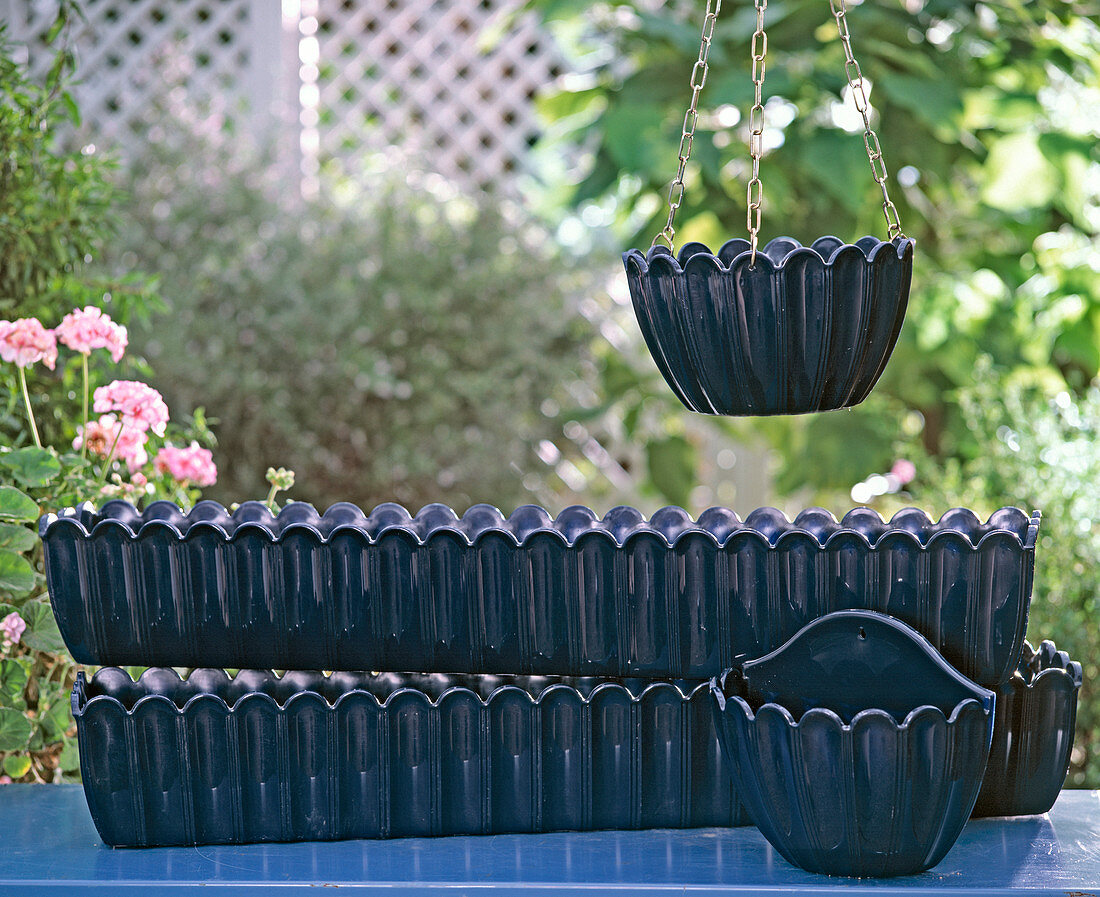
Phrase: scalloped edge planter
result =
(861, 792)
(1032, 735)
(807, 328)
(309, 758)
(665, 598)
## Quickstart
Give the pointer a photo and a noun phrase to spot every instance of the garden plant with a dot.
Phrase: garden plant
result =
(77, 425)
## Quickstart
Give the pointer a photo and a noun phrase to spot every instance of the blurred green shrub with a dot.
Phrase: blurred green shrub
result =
(395, 346)
(1038, 447)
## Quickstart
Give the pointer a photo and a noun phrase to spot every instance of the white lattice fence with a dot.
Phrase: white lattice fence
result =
(346, 77)
(220, 56)
(416, 74)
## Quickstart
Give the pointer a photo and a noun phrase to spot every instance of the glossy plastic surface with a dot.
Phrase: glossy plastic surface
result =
(51, 848)
(1032, 735)
(664, 598)
(849, 661)
(859, 790)
(308, 757)
(804, 329)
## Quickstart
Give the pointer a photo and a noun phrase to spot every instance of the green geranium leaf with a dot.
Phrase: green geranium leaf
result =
(17, 765)
(13, 679)
(17, 537)
(15, 730)
(32, 466)
(16, 574)
(17, 506)
(42, 633)
(55, 720)
(70, 757)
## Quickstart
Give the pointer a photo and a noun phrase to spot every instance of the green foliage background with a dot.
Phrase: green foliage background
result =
(989, 110)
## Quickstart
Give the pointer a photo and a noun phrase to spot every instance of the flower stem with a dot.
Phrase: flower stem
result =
(111, 453)
(270, 500)
(84, 432)
(30, 411)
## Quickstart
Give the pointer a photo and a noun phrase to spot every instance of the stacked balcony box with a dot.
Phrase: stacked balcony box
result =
(1032, 735)
(664, 598)
(306, 756)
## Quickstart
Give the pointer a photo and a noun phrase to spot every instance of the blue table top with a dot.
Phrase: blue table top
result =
(49, 846)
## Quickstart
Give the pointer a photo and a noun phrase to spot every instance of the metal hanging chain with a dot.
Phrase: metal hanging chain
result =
(870, 138)
(691, 119)
(754, 192)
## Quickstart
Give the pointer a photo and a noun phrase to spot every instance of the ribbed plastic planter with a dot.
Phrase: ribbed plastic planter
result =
(1032, 735)
(665, 598)
(805, 328)
(307, 757)
(856, 748)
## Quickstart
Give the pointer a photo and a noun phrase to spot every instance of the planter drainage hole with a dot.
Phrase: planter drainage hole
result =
(862, 633)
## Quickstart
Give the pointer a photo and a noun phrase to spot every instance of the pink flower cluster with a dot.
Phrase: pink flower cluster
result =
(140, 406)
(12, 628)
(89, 328)
(127, 439)
(26, 342)
(191, 464)
(128, 411)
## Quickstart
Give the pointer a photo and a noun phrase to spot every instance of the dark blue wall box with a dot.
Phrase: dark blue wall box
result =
(856, 748)
(805, 328)
(309, 757)
(665, 598)
(1032, 735)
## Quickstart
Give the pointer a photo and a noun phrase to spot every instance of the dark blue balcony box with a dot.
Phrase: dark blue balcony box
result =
(309, 757)
(1032, 735)
(664, 598)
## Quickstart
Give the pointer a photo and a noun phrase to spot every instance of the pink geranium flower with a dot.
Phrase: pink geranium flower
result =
(904, 470)
(12, 628)
(26, 342)
(139, 405)
(89, 328)
(192, 464)
(101, 435)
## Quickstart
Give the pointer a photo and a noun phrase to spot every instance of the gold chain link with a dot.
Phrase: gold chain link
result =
(754, 192)
(691, 119)
(870, 138)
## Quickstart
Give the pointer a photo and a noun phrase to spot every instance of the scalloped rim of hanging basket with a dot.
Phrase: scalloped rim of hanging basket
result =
(777, 252)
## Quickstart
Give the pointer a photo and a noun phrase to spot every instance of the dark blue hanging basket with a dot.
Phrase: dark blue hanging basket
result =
(1032, 735)
(308, 757)
(856, 748)
(802, 329)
